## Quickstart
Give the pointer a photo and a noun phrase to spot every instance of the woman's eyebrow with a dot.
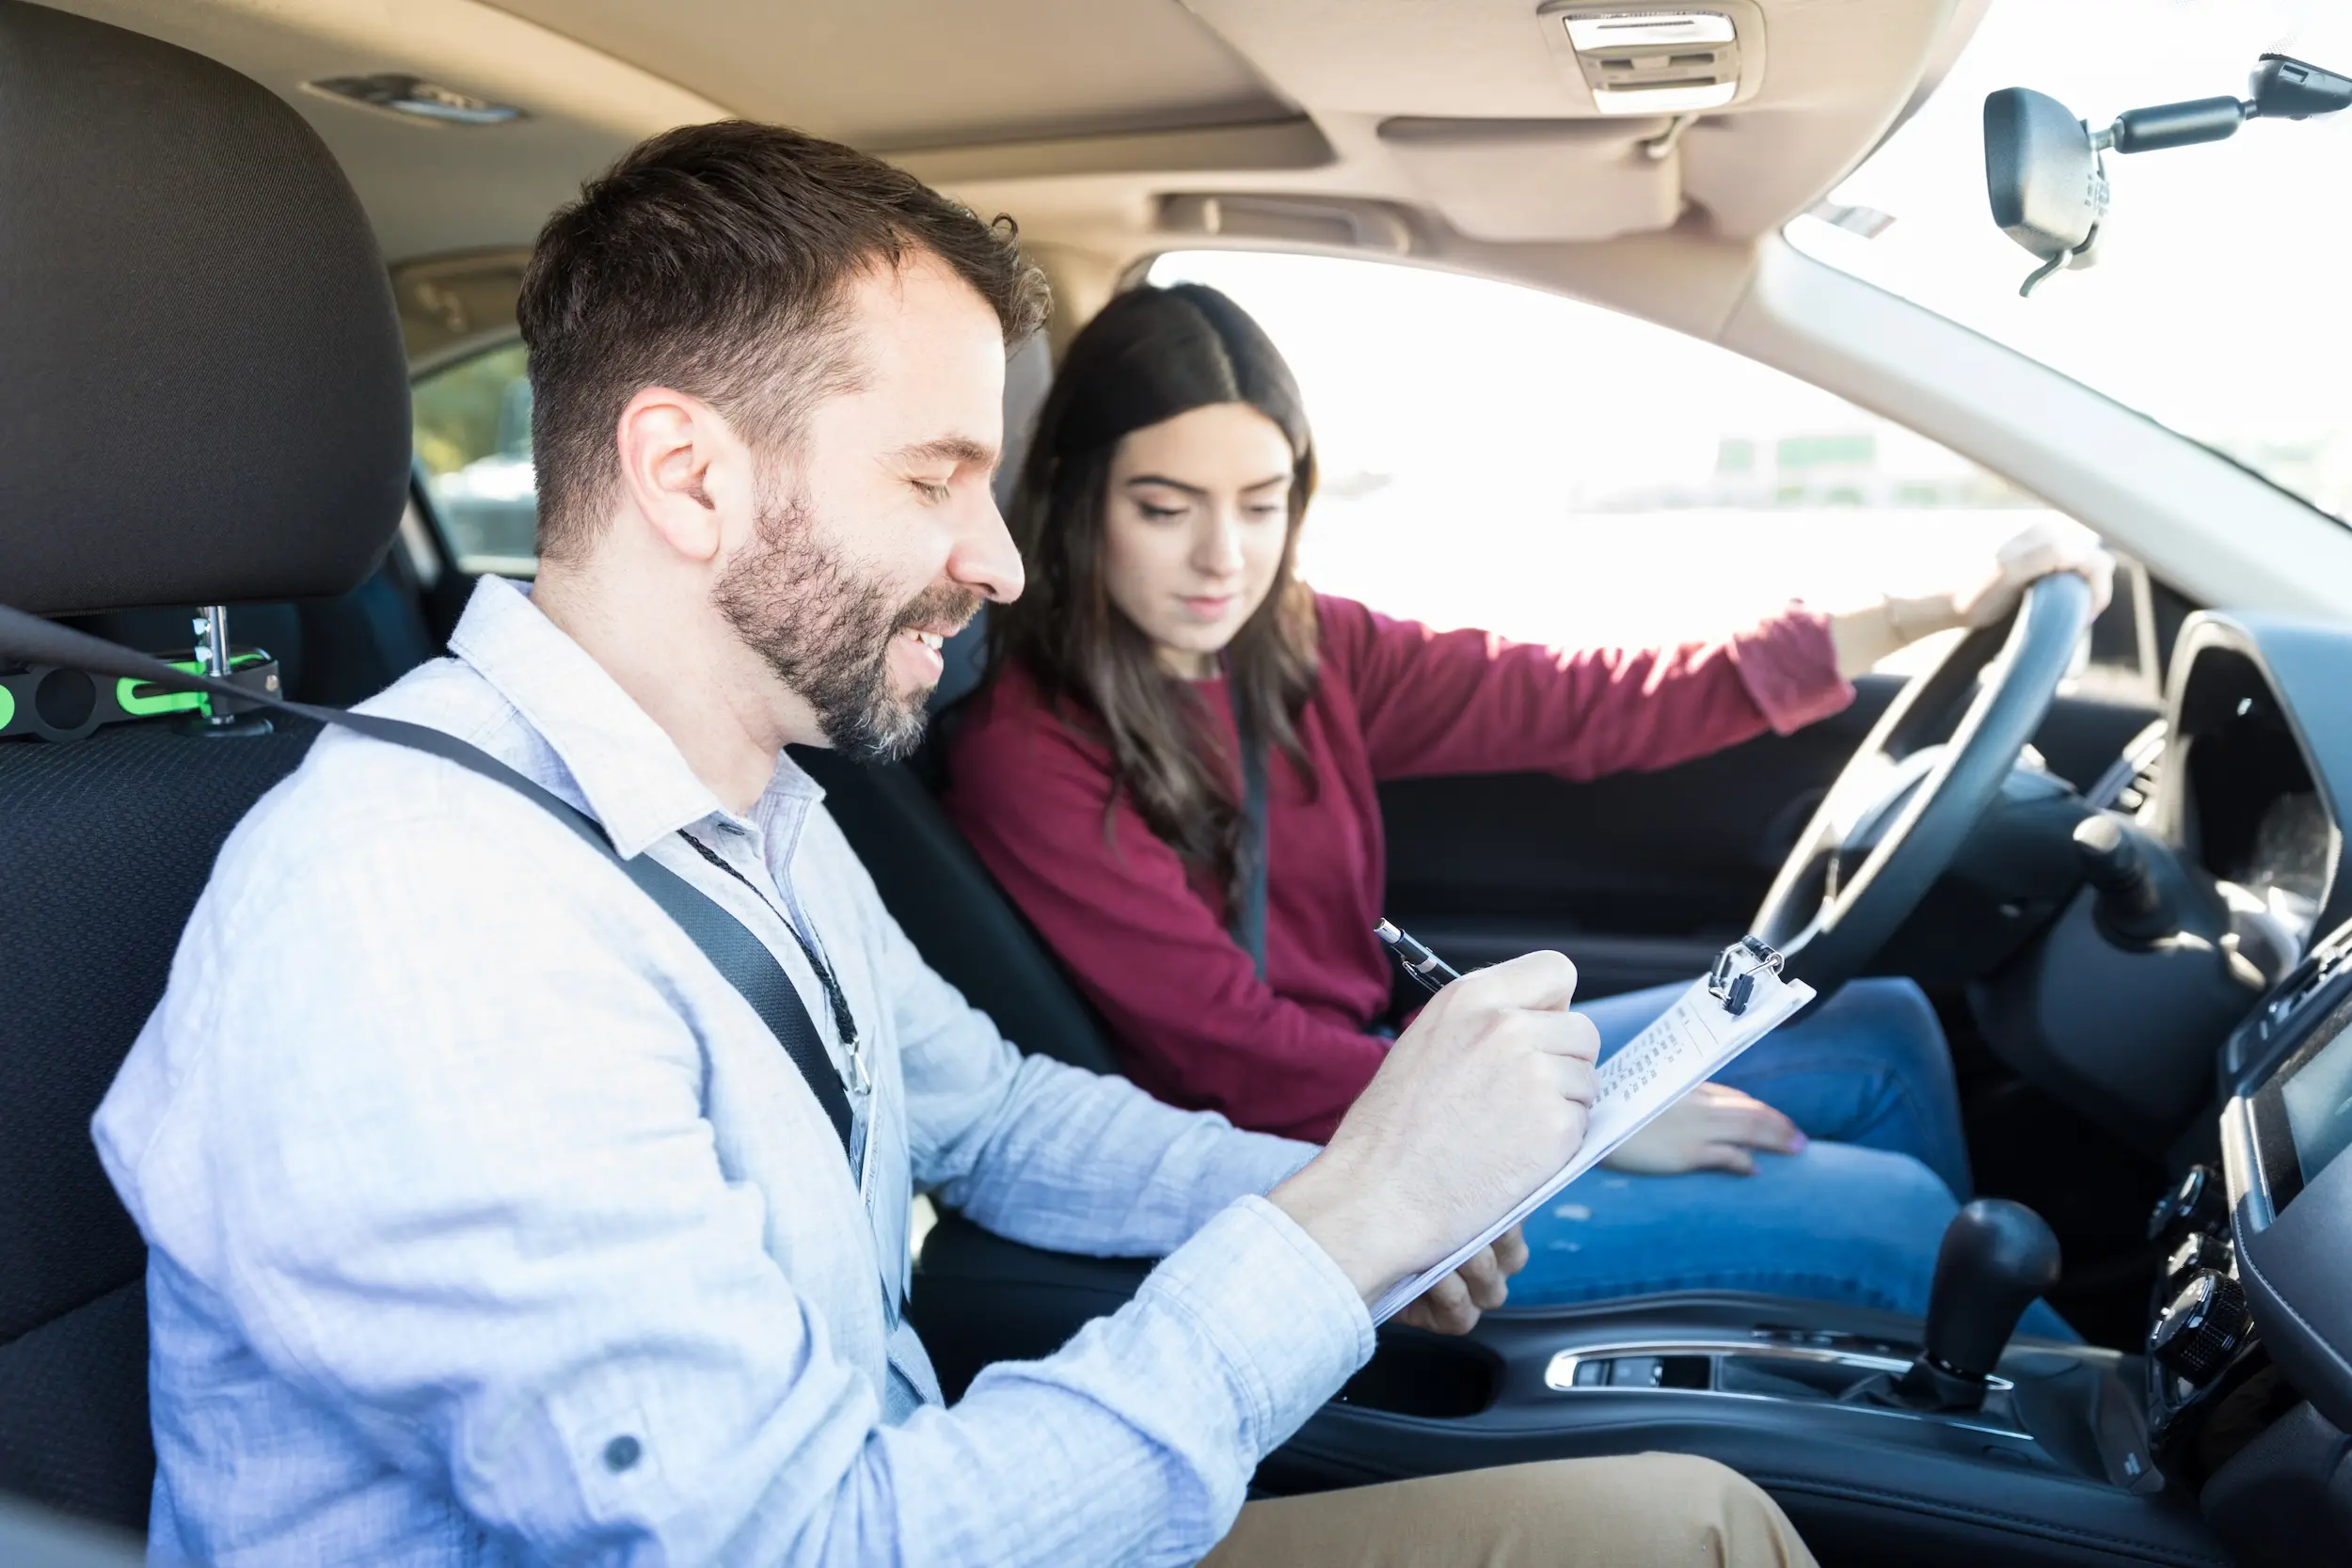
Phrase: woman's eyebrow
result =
(1165, 482)
(1196, 490)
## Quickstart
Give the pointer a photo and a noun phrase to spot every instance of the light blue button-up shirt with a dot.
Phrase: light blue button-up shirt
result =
(489, 1224)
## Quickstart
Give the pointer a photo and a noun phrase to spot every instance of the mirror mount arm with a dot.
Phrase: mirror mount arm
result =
(2165, 125)
(2283, 87)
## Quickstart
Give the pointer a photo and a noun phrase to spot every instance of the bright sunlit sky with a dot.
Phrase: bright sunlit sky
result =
(1498, 457)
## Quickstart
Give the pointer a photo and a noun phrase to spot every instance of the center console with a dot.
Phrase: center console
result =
(2222, 1440)
(2049, 1462)
(1888, 1441)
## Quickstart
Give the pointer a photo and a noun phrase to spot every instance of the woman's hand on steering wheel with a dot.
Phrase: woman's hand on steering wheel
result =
(1711, 1128)
(2051, 546)
(1863, 637)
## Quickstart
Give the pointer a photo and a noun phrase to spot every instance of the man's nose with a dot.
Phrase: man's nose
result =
(985, 559)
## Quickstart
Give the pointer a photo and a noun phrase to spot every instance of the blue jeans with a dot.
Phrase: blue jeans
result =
(1869, 1066)
(1857, 1216)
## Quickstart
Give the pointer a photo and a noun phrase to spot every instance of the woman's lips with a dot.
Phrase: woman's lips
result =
(1206, 606)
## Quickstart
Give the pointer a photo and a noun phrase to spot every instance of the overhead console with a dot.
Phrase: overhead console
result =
(1660, 60)
(1538, 121)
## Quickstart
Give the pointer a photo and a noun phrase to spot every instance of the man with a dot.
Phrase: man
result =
(490, 1224)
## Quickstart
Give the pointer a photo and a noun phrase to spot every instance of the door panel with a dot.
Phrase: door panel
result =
(1643, 876)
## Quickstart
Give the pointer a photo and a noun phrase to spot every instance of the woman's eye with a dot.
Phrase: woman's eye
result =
(1268, 511)
(1158, 514)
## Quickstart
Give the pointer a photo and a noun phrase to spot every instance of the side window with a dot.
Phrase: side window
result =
(474, 437)
(1498, 457)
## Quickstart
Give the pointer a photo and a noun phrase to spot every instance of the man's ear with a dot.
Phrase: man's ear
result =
(685, 471)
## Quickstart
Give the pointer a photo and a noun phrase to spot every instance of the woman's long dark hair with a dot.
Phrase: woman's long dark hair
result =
(1151, 354)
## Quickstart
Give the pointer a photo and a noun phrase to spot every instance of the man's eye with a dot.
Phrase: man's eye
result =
(932, 493)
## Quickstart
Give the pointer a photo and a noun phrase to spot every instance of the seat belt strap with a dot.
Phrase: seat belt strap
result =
(1249, 920)
(742, 959)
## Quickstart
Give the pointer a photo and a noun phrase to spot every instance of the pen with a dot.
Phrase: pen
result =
(1431, 973)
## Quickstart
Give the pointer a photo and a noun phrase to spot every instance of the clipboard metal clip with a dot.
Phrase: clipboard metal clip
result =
(1733, 981)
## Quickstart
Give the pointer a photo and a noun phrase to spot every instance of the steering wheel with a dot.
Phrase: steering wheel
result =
(1902, 806)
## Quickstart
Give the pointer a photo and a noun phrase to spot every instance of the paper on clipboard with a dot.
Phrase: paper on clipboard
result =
(1718, 1018)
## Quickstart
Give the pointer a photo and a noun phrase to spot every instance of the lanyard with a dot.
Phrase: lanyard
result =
(859, 1078)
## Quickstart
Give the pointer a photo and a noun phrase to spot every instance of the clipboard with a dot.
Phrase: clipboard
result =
(1736, 1004)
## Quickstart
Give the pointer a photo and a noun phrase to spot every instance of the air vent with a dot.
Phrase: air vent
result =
(1654, 62)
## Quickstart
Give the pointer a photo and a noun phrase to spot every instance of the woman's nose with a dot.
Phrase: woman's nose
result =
(1217, 549)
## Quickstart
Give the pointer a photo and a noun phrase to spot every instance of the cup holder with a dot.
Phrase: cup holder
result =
(1432, 1376)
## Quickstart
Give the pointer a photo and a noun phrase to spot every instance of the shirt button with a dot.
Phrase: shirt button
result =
(622, 1454)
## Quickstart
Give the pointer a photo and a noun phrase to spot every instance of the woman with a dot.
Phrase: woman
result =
(1098, 777)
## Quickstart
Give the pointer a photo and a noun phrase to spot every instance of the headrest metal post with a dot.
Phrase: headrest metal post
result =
(211, 640)
(221, 715)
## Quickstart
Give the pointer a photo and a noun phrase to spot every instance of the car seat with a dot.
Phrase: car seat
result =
(205, 403)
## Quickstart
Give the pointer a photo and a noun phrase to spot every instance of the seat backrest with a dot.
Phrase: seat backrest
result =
(104, 845)
(936, 888)
(953, 913)
(205, 402)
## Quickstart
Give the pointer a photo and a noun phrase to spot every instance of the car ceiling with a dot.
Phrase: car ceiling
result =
(1439, 130)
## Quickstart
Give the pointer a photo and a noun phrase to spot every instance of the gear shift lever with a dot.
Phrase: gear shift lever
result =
(1996, 1258)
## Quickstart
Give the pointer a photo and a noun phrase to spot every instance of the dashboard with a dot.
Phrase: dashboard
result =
(2243, 790)
(2262, 1319)
(2235, 828)
(2248, 1359)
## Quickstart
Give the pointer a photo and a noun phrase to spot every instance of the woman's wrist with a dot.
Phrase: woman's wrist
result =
(1911, 619)
(1862, 638)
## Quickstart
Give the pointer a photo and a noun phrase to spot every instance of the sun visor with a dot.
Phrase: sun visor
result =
(1542, 179)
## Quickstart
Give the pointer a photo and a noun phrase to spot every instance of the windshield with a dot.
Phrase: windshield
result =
(2219, 303)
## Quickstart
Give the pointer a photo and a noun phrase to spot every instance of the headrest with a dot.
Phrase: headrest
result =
(203, 395)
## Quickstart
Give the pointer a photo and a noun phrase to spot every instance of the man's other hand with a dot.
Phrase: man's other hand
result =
(1453, 1303)
(1711, 1128)
(1480, 1102)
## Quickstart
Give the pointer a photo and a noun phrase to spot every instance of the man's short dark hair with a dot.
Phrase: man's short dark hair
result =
(717, 260)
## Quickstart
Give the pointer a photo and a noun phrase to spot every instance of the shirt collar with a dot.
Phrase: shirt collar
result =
(630, 773)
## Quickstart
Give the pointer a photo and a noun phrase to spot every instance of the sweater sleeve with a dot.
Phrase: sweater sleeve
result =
(1192, 1020)
(1436, 703)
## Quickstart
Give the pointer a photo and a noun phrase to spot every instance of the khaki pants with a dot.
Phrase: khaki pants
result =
(1650, 1510)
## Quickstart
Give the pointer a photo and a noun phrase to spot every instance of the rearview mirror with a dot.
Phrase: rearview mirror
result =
(2042, 167)
(2042, 171)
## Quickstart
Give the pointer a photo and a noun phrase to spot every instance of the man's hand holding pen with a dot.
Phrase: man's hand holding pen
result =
(1481, 1099)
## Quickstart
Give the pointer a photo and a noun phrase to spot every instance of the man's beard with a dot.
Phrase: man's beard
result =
(827, 633)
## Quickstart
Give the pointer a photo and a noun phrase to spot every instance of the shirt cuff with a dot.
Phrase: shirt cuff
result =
(1790, 666)
(1264, 1162)
(1281, 1317)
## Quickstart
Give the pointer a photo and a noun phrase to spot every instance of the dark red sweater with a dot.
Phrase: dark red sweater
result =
(1149, 942)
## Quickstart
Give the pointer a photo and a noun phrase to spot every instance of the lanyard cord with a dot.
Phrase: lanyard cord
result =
(843, 1022)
